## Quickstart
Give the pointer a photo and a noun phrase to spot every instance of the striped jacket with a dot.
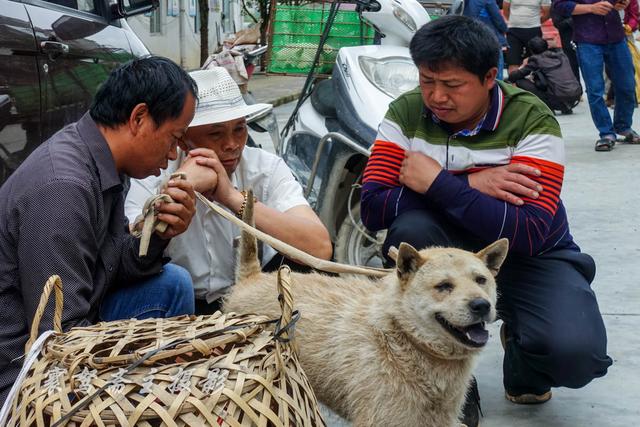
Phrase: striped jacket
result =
(518, 128)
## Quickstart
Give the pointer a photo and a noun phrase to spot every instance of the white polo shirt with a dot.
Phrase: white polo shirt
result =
(206, 248)
(525, 13)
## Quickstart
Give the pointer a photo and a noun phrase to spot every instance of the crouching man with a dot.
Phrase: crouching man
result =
(464, 160)
(548, 75)
(62, 212)
(219, 133)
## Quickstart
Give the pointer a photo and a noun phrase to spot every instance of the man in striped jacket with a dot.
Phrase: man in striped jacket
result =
(464, 160)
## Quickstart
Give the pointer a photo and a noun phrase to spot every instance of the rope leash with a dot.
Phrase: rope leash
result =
(148, 222)
(292, 252)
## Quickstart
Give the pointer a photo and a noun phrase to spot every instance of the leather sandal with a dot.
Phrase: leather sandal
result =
(605, 144)
(630, 137)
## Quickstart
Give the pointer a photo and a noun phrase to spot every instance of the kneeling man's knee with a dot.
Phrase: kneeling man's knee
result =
(419, 228)
(574, 358)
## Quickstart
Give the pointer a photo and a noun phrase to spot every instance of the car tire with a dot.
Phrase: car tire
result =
(355, 248)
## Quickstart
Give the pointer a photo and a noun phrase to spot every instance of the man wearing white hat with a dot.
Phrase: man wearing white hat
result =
(216, 139)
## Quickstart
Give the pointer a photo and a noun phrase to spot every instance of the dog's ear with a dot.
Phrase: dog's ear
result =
(494, 255)
(408, 261)
(393, 254)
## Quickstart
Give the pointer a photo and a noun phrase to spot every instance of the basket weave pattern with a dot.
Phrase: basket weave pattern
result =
(218, 370)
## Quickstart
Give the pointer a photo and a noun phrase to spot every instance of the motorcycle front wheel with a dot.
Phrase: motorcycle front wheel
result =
(356, 245)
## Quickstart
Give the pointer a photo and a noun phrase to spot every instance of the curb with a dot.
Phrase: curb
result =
(283, 99)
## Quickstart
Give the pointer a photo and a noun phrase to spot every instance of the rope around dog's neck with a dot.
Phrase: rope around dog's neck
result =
(290, 251)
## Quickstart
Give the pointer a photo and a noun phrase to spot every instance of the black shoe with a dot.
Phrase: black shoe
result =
(471, 411)
(528, 398)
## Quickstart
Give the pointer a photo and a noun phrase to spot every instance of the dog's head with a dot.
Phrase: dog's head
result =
(448, 295)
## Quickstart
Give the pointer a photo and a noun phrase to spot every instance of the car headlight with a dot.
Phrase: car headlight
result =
(405, 18)
(393, 75)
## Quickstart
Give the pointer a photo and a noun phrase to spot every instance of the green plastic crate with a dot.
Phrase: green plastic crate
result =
(296, 36)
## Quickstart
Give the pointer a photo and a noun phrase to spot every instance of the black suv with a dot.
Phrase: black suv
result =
(53, 56)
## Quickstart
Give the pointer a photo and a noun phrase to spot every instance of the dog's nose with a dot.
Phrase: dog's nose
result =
(480, 306)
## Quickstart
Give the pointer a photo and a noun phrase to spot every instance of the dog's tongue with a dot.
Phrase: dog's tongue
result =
(477, 333)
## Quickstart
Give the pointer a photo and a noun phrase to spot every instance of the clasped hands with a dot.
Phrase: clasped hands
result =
(508, 183)
(205, 174)
(202, 170)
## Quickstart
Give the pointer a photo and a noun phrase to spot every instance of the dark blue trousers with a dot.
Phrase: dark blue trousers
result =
(556, 336)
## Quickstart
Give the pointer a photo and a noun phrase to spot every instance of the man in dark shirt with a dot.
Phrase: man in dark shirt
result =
(62, 212)
(600, 41)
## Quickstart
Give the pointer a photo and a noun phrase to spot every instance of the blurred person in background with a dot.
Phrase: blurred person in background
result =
(630, 25)
(525, 18)
(488, 11)
(600, 40)
(548, 75)
(564, 25)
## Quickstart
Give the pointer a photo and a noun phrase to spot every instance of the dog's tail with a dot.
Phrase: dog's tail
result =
(247, 262)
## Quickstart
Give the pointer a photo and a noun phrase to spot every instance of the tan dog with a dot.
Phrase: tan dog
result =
(393, 351)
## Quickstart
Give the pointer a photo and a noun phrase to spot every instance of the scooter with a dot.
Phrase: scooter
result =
(328, 141)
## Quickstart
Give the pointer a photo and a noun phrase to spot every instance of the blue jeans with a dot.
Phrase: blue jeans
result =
(167, 294)
(617, 58)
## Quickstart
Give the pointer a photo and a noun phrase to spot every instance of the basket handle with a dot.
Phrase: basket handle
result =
(286, 303)
(44, 299)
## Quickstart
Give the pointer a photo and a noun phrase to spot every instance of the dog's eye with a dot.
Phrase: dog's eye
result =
(481, 280)
(444, 287)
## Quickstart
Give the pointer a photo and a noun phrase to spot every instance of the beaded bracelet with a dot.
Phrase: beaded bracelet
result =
(244, 204)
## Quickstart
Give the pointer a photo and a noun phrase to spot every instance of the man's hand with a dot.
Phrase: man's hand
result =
(418, 171)
(601, 8)
(203, 178)
(621, 4)
(179, 213)
(224, 193)
(507, 182)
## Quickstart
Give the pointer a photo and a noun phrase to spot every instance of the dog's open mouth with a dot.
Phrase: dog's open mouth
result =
(473, 335)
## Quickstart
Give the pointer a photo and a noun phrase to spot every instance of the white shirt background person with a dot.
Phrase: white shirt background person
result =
(527, 13)
(215, 143)
(206, 248)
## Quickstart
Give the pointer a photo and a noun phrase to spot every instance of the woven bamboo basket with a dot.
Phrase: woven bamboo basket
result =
(219, 370)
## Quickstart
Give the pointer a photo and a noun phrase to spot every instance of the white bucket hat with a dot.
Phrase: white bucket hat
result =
(220, 100)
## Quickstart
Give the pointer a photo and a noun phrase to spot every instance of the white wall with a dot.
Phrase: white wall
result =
(167, 42)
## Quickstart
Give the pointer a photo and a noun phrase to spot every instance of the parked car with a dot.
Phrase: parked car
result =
(53, 56)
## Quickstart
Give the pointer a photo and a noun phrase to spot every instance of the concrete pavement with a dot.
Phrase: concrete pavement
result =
(276, 89)
(602, 195)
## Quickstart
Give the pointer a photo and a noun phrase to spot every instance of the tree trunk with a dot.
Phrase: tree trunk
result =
(265, 13)
(203, 6)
